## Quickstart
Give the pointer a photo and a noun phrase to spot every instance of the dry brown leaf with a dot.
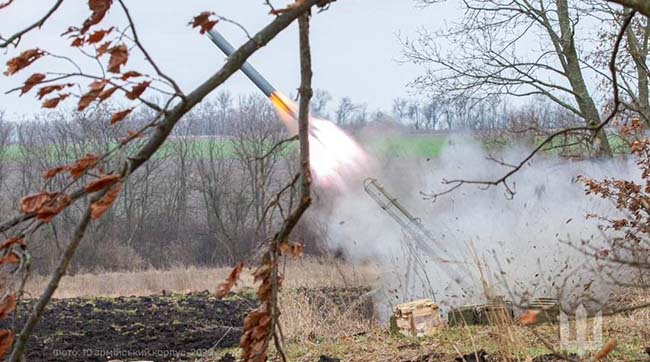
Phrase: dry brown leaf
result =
(87, 99)
(529, 317)
(12, 258)
(262, 272)
(31, 82)
(11, 241)
(78, 42)
(119, 57)
(203, 21)
(130, 74)
(102, 183)
(265, 321)
(107, 93)
(251, 320)
(137, 90)
(257, 324)
(53, 102)
(119, 116)
(6, 341)
(265, 291)
(48, 212)
(98, 84)
(99, 207)
(103, 49)
(256, 331)
(23, 60)
(54, 171)
(99, 9)
(606, 350)
(130, 136)
(98, 35)
(32, 203)
(7, 306)
(81, 165)
(96, 89)
(294, 250)
(43, 91)
(225, 287)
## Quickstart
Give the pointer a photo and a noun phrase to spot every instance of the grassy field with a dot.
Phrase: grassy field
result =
(425, 146)
(420, 146)
(323, 321)
(407, 145)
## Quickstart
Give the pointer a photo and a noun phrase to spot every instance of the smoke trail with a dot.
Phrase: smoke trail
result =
(523, 241)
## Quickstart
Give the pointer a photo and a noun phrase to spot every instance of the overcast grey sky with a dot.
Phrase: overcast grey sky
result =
(355, 44)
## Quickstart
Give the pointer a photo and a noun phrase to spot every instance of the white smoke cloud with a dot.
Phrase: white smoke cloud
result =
(522, 241)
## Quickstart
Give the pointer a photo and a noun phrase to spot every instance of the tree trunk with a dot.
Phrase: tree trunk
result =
(639, 54)
(576, 79)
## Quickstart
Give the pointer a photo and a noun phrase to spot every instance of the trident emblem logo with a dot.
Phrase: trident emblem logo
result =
(583, 342)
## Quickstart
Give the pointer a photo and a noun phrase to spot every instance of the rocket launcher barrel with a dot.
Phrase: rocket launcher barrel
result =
(410, 224)
(405, 219)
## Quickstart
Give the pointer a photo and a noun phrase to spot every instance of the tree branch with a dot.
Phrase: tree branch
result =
(291, 221)
(16, 37)
(594, 129)
(64, 262)
(137, 42)
(642, 6)
(164, 128)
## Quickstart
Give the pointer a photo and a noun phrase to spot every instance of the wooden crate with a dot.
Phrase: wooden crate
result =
(417, 318)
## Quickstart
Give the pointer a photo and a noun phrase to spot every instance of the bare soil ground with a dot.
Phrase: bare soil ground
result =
(160, 328)
(328, 316)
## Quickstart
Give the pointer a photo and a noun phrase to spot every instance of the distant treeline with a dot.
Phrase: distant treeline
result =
(203, 198)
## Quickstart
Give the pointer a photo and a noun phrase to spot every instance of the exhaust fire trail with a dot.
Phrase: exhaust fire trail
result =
(335, 156)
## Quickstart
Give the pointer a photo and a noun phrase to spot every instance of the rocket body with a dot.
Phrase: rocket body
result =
(247, 68)
(333, 154)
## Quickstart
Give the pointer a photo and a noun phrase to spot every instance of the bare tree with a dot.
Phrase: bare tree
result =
(421, 114)
(320, 103)
(345, 111)
(633, 75)
(96, 183)
(238, 174)
(5, 141)
(400, 108)
(487, 57)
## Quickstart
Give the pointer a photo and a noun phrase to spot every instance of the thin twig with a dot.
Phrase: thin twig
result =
(64, 262)
(17, 36)
(594, 129)
(136, 40)
(168, 120)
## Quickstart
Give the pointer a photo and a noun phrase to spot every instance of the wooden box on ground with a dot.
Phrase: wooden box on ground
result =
(416, 318)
